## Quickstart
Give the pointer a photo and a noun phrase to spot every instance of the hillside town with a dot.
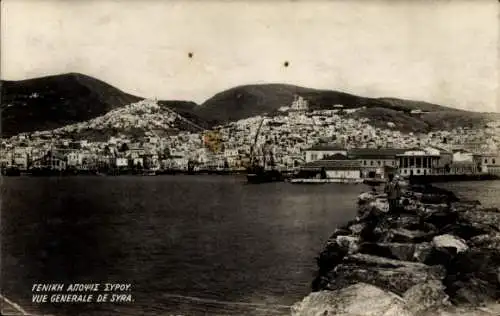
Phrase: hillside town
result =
(145, 136)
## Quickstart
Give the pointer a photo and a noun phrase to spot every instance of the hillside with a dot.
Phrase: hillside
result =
(55, 101)
(135, 120)
(51, 102)
(250, 100)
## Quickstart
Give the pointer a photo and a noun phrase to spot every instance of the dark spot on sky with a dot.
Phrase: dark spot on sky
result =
(190, 55)
(286, 63)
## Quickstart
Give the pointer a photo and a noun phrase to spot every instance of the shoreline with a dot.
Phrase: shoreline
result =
(438, 255)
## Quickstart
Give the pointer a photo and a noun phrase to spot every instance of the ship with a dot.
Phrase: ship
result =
(261, 173)
(258, 174)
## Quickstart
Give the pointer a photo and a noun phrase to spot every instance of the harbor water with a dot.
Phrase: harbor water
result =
(189, 245)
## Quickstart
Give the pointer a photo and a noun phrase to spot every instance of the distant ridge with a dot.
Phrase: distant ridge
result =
(52, 102)
(249, 100)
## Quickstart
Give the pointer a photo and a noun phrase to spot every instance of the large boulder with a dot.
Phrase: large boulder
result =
(366, 197)
(393, 275)
(483, 217)
(467, 230)
(423, 252)
(426, 297)
(356, 300)
(448, 241)
(351, 243)
(473, 276)
(485, 241)
(331, 255)
(399, 251)
(444, 249)
(403, 235)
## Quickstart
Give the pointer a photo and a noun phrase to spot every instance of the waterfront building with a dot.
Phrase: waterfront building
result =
(121, 162)
(50, 161)
(335, 167)
(74, 159)
(491, 163)
(376, 162)
(21, 158)
(463, 167)
(321, 151)
(418, 162)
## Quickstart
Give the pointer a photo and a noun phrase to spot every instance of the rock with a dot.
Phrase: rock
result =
(441, 219)
(473, 276)
(467, 230)
(488, 310)
(357, 229)
(339, 232)
(331, 255)
(359, 299)
(430, 198)
(380, 206)
(482, 216)
(449, 241)
(428, 209)
(424, 297)
(422, 252)
(351, 243)
(392, 275)
(399, 251)
(365, 197)
(473, 291)
(403, 235)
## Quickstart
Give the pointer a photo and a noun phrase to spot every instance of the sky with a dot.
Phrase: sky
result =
(446, 52)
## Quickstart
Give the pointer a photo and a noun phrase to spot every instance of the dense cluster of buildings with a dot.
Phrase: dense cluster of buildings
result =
(358, 163)
(291, 136)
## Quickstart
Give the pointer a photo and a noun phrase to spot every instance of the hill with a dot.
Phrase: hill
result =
(250, 100)
(51, 102)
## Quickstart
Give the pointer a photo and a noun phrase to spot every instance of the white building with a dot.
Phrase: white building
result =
(417, 162)
(319, 152)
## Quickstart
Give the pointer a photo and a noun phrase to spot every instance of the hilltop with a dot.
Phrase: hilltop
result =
(250, 100)
(52, 102)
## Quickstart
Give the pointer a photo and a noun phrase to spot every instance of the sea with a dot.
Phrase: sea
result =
(187, 245)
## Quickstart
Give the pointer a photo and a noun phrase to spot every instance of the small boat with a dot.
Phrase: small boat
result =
(258, 174)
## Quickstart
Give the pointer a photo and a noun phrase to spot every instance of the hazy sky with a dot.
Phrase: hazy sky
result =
(445, 52)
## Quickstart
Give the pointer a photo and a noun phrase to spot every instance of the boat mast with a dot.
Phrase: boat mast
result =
(252, 148)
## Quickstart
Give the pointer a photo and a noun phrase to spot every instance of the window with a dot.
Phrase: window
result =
(418, 162)
(364, 162)
(378, 162)
(418, 171)
(412, 162)
(371, 163)
(486, 161)
(493, 161)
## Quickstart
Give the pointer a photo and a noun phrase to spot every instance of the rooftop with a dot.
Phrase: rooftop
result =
(327, 147)
(332, 165)
(376, 153)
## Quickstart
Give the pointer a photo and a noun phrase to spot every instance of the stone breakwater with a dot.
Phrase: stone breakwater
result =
(437, 255)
